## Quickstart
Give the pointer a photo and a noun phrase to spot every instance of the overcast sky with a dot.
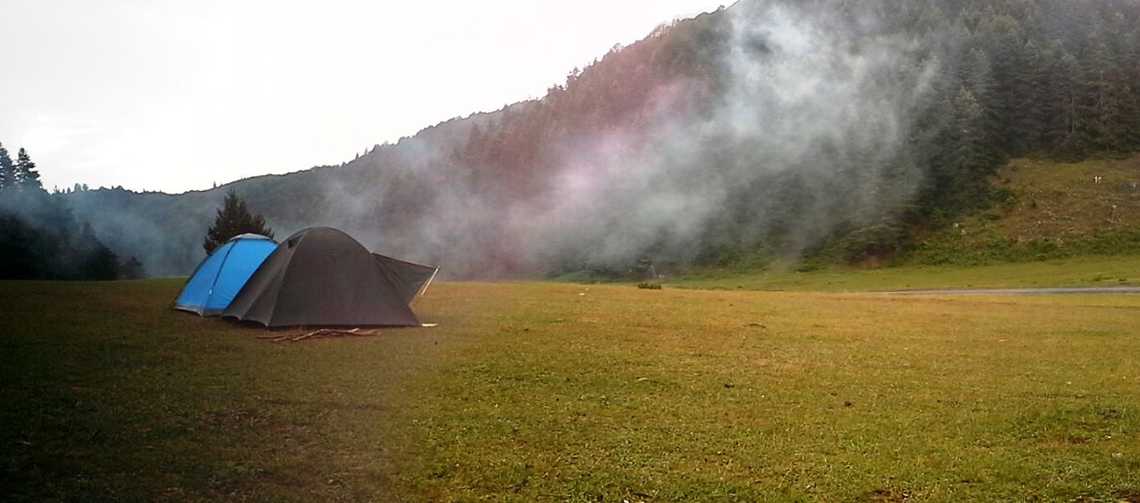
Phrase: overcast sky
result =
(176, 95)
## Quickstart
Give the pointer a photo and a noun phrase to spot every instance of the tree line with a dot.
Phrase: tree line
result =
(40, 237)
(20, 175)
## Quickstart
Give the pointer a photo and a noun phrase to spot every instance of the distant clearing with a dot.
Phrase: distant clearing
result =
(1073, 272)
(1053, 210)
(1068, 201)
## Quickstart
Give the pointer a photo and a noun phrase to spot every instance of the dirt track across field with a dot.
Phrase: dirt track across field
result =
(1118, 290)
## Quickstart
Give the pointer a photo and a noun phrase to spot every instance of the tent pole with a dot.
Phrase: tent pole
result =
(426, 285)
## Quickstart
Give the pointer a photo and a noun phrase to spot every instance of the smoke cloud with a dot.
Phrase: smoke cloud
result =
(801, 131)
(825, 95)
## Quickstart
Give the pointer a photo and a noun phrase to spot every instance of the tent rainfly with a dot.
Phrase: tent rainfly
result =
(323, 277)
(221, 275)
(409, 279)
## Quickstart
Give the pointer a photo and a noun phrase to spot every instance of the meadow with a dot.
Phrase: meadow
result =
(1086, 271)
(567, 392)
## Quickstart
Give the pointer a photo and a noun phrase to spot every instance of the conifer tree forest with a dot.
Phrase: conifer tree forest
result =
(40, 237)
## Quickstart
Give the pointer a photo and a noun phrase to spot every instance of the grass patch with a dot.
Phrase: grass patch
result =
(542, 391)
(1074, 272)
(1051, 211)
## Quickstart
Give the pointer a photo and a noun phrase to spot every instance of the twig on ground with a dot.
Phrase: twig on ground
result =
(319, 333)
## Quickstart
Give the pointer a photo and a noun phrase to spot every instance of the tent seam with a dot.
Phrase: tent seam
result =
(214, 283)
(284, 278)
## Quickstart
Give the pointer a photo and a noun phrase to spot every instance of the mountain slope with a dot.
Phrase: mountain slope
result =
(771, 125)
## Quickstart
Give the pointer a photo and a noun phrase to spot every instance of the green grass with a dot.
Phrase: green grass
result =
(559, 392)
(1054, 210)
(1073, 272)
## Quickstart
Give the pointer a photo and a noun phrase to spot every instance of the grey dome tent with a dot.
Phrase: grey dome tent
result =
(323, 277)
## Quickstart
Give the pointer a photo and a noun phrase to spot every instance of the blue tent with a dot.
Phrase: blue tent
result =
(219, 277)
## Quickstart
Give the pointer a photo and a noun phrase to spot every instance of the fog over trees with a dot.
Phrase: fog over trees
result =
(40, 238)
(772, 127)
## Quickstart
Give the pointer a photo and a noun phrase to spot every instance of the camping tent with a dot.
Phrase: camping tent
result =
(219, 277)
(321, 276)
(410, 279)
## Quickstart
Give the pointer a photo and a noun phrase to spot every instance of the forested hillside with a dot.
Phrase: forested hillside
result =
(40, 238)
(769, 127)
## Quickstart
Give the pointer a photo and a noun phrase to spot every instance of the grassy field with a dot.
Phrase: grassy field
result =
(559, 392)
(1074, 272)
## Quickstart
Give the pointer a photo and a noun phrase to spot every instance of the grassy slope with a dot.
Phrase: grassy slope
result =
(1057, 210)
(1063, 200)
(1060, 228)
(563, 392)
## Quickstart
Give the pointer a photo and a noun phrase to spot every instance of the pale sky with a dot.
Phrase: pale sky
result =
(176, 95)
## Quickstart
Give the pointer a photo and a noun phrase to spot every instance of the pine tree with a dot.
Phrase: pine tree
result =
(1063, 124)
(7, 169)
(1004, 46)
(233, 219)
(1129, 89)
(131, 268)
(26, 176)
(969, 159)
(1028, 121)
(1099, 97)
(977, 75)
